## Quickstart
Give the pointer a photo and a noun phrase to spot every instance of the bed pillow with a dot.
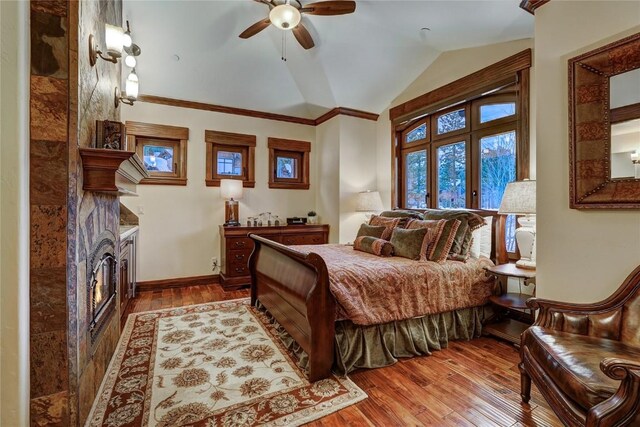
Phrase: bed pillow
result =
(435, 228)
(371, 230)
(482, 239)
(388, 223)
(469, 222)
(404, 214)
(439, 249)
(373, 246)
(408, 243)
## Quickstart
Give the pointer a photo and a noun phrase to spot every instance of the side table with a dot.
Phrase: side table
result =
(509, 322)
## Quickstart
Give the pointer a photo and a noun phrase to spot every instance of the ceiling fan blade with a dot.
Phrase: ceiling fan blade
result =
(267, 2)
(302, 35)
(255, 28)
(331, 7)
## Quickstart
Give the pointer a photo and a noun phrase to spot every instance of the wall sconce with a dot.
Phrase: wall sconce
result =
(635, 157)
(116, 40)
(130, 90)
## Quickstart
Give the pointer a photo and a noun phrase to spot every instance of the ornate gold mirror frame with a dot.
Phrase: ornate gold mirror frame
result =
(590, 119)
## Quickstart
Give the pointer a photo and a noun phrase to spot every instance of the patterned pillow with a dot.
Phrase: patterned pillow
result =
(371, 230)
(373, 246)
(469, 222)
(389, 223)
(404, 214)
(439, 249)
(435, 228)
(408, 243)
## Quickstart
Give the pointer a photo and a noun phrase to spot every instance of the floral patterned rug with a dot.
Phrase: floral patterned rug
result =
(216, 364)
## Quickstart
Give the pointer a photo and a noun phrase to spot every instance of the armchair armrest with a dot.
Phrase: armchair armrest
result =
(623, 407)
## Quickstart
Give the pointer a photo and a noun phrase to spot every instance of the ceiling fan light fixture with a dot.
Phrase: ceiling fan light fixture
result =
(285, 16)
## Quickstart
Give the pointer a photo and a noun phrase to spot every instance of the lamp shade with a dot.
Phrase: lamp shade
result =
(285, 16)
(231, 189)
(369, 201)
(113, 40)
(519, 198)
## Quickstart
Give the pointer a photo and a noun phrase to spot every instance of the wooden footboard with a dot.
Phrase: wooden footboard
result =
(294, 287)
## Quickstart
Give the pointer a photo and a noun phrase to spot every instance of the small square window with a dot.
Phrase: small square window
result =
(229, 163)
(162, 149)
(286, 167)
(289, 164)
(230, 156)
(158, 158)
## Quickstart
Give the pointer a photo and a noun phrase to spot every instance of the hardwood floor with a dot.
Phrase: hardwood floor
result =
(474, 383)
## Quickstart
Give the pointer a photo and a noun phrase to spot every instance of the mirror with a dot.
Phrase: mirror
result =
(604, 104)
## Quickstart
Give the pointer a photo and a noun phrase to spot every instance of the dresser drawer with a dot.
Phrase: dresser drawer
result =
(302, 239)
(237, 269)
(242, 243)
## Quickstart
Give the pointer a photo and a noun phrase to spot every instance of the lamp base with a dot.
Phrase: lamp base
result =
(232, 224)
(526, 240)
(231, 216)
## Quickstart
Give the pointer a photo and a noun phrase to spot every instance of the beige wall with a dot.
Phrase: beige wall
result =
(582, 256)
(328, 161)
(179, 227)
(14, 214)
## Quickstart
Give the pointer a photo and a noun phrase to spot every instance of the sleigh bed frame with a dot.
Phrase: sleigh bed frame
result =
(294, 288)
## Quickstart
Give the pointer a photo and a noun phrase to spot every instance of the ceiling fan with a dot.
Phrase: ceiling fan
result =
(287, 14)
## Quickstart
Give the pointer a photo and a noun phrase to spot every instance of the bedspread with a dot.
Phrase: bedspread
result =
(370, 289)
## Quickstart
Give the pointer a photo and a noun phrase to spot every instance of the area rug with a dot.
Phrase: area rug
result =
(216, 364)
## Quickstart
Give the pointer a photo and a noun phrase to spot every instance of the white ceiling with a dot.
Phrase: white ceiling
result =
(361, 61)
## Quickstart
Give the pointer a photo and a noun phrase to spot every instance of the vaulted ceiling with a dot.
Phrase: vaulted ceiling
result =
(191, 51)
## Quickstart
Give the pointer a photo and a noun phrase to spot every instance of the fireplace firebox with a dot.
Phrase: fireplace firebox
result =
(102, 284)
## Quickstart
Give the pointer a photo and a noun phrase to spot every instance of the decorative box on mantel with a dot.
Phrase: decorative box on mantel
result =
(111, 171)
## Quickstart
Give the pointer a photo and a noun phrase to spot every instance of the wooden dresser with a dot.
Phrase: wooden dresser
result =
(236, 247)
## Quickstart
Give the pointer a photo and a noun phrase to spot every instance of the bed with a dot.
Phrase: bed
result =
(316, 294)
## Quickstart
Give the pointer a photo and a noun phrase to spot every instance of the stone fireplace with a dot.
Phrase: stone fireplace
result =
(101, 284)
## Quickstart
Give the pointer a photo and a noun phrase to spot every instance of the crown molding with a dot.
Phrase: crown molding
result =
(531, 5)
(152, 99)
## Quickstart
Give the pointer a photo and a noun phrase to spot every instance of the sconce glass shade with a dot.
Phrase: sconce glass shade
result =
(369, 201)
(130, 61)
(635, 156)
(131, 86)
(231, 189)
(113, 40)
(285, 16)
(126, 39)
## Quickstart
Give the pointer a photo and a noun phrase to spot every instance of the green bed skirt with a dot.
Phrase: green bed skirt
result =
(381, 345)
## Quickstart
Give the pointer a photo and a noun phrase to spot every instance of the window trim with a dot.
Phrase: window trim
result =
(301, 148)
(227, 141)
(179, 136)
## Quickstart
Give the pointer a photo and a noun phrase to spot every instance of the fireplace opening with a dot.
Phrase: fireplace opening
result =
(102, 286)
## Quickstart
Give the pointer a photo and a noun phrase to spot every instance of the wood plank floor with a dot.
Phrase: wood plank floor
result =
(474, 383)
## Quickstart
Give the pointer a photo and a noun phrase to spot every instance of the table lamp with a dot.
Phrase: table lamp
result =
(231, 191)
(369, 202)
(520, 199)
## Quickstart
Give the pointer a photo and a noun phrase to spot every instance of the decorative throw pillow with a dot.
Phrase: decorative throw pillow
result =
(388, 223)
(373, 246)
(439, 249)
(404, 214)
(482, 240)
(371, 230)
(435, 228)
(408, 243)
(469, 222)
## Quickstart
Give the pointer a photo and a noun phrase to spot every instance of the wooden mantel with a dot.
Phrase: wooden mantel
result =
(111, 171)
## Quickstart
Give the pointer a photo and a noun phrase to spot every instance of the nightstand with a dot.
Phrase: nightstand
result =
(509, 320)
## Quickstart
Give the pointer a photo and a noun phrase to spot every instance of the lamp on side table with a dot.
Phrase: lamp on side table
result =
(231, 191)
(520, 199)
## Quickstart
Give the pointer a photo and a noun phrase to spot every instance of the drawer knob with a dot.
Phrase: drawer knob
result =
(239, 269)
(239, 244)
(240, 257)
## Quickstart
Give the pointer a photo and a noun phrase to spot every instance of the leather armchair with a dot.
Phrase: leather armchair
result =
(585, 358)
